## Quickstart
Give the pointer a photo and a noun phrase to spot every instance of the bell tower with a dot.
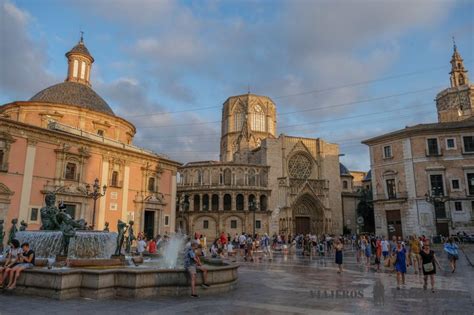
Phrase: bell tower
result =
(79, 63)
(458, 72)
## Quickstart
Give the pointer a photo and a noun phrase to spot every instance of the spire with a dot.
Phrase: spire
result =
(79, 63)
(458, 72)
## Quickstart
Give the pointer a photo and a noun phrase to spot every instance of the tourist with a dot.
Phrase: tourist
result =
(400, 264)
(141, 246)
(452, 249)
(429, 262)
(191, 263)
(378, 253)
(248, 249)
(367, 251)
(242, 244)
(152, 246)
(230, 249)
(385, 244)
(223, 239)
(414, 253)
(12, 259)
(26, 260)
(266, 247)
(339, 247)
(214, 248)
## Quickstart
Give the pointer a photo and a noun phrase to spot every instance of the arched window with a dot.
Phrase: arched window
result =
(257, 119)
(239, 202)
(83, 70)
(239, 117)
(205, 202)
(151, 184)
(227, 177)
(215, 202)
(252, 203)
(114, 180)
(263, 203)
(186, 203)
(199, 177)
(197, 203)
(252, 178)
(461, 79)
(70, 172)
(227, 202)
(75, 68)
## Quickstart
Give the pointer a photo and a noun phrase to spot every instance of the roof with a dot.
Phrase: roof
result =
(343, 171)
(467, 123)
(72, 93)
(80, 48)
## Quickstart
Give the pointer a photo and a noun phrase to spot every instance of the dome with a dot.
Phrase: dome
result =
(81, 49)
(343, 171)
(72, 93)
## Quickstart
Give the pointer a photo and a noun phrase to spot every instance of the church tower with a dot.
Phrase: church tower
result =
(457, 102)
(246, 120)
(79, 63)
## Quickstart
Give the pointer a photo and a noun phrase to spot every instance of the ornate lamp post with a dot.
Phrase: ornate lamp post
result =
(254, 207)
(95, 194)
(436, 199)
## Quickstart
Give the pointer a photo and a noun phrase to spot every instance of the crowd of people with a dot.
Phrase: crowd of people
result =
(18, 258)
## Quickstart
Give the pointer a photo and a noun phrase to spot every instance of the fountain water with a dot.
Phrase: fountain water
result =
(172, 251)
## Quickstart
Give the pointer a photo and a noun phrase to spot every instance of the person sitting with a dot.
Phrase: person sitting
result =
(152, 246)
(141, 246)
(191, 263)
(26, 261)
(12, 259)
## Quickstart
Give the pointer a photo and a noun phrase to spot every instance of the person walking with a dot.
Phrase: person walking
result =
(429, 262)
(453, 255)
(378, 253)
(400, 264)
(339, 247)
(415, 253)
(368, 251)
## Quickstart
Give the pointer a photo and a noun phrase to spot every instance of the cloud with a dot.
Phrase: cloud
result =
(22, 60)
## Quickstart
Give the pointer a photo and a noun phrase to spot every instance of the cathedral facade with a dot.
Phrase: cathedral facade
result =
(263, 183)
(62, 140)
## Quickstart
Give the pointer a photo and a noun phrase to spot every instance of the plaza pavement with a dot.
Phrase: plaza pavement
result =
(292, 284)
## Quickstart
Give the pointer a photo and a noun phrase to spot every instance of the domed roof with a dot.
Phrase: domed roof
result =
(80, 48)
(72, 93)
(343, 170)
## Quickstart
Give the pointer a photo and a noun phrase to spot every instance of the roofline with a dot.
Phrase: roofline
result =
(249, 94)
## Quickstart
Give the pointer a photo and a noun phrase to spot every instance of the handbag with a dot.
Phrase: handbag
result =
(428, 267)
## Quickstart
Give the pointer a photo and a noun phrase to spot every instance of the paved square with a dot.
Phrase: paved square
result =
(293, 285)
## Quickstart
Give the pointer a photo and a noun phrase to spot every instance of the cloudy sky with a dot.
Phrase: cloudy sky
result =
(340, 70)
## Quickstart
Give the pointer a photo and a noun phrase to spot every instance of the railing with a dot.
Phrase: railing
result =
(397, 196)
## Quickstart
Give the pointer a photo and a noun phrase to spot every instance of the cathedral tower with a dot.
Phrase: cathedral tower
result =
(246, 120)
(457, 102)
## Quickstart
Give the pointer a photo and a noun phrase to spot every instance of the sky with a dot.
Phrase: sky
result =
(343, 71)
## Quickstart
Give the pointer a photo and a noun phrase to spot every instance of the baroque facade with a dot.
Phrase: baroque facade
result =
(65, 137)
(262, 183)
(423, 176)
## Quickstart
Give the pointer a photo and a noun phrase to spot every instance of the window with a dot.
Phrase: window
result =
(258, 119)
(227, 202)
(70, 171)
(258, 224)
(34, 214)
(470, 183)
(344, 184)
(167, 220)
(205, 202)
(114, 181)
(75, 69)
(113, 206)
(151, 184)
(100, 132)
(437, 188)
(197, 202)
(458, 205)
(215, 202)
(455, 184)
(240, 202)
(238, 120)
(205, 224)
(391, 191)
(387, 151)
(432, 146)
(227, 177)
(450, 144)
(263, 203)
(233, 224)
(83, 70)
(468, 142)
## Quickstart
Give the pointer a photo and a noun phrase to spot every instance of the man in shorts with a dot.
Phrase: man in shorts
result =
(26, 260)
(192, 263)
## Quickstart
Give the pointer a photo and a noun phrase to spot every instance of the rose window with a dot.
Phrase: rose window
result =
(299, 166)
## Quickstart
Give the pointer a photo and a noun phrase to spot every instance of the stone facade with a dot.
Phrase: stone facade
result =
(423, 176)
(296, 176)
(63, 146)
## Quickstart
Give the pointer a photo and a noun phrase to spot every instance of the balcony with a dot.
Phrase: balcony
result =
(434, 153)
(399, 196)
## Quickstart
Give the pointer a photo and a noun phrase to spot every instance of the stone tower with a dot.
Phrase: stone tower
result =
(79, 64)
(246, 120)
(457, 102)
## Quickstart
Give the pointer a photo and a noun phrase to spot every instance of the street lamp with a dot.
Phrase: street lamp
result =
(95, 194)
(254, 206)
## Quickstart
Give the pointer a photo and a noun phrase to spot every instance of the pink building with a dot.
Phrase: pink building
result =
(64, 138)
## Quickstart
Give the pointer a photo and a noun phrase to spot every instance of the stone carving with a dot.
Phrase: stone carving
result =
(130, 238)
(13, 230)
(299, 166)
(121, 229)
(23, 225)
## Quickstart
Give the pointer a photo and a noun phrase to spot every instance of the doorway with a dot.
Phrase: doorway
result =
(149, 227)
(303, 225)
(442, 228)
(394, 223)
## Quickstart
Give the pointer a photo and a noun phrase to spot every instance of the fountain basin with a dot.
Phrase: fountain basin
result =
(68, 283)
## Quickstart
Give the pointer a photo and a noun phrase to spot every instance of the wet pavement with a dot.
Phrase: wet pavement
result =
(292, 284)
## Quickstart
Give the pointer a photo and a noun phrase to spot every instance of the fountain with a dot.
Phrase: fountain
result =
(91, 264)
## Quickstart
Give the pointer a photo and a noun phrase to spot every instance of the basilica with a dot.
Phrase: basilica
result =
(263, 182)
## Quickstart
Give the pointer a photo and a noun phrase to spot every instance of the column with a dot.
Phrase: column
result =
(191, 202)
(246, 202)
(27, 180)
(172, 220)
(126, 182)
(234, 202)
(221, 201)
(102, 201)
(200, 202)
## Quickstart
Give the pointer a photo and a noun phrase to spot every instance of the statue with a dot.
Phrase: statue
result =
(106, 227)
(130, 237)
(121, 229)
(49, 213)
(13, 230)
(23, 225)
(2, 235)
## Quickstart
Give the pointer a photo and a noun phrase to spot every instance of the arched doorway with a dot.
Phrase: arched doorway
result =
(308, 215)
